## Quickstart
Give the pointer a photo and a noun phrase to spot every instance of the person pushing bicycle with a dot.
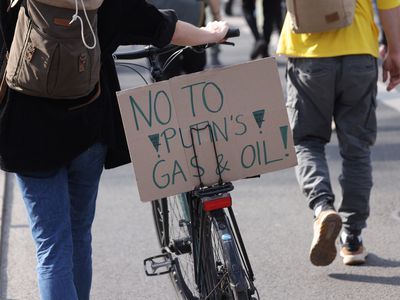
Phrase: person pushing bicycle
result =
(58, 148)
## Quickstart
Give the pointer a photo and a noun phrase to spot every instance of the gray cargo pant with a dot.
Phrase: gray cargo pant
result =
(344, 89)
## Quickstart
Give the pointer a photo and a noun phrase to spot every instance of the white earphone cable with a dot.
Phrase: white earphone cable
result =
(77, 17)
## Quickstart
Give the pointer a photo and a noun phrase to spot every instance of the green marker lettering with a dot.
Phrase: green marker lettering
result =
(163, 110)
(222, 166)
(135, 106)
(221, 97)
(266, 161)
(223, 132)
(191, 96)
(252, 156)
(177, 170)
(167, 135)
(183, 142)
(199, 127)
(243, 125)
(193, 164)
(165, 176)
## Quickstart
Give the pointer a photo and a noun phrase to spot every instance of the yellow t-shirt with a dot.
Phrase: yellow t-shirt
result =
(361, 37)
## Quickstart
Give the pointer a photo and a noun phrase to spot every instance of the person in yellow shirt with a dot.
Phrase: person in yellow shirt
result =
(333, 76)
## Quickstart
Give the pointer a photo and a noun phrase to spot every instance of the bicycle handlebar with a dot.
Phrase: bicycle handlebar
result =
(146, 52)
(232, 32)
(152, 50)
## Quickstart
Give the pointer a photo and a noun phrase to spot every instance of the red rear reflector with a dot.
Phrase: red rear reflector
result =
(214, 204)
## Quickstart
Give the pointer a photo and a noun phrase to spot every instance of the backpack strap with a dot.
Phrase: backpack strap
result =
(8, 19)
(3, 52)
(3, 83)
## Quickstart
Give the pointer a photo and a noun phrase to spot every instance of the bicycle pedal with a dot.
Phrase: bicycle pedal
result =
(158, 265)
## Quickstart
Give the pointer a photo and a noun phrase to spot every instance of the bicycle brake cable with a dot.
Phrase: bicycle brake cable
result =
(171, 58)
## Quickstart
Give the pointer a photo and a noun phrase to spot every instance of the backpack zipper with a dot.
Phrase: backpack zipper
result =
(22, 57)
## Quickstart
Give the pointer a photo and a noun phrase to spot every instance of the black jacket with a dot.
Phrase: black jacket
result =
(42, 134)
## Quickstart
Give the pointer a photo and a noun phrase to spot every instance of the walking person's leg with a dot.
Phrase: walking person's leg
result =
(269, 17)
(272, 10)
(84, 175)
(356, 127)
(61, 206)
(228, 7)
(47, 201)
(310, 103)
(280, 14)
(249, 12)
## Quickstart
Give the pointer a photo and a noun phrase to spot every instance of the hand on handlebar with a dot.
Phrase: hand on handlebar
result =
(187, 34)
(219, 30)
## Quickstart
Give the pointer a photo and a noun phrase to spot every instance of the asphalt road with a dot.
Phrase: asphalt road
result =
(272, 214)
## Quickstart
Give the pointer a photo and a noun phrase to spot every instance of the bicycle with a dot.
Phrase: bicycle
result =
(202, 248)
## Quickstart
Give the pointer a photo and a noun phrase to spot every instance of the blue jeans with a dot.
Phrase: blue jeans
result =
(343, 89)
(61, 208)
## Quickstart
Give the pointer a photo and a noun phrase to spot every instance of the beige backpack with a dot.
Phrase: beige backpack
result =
(310, 16)
(55, 51)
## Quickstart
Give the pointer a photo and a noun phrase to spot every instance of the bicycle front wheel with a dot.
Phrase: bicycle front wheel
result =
(206, 259)
(172, 217)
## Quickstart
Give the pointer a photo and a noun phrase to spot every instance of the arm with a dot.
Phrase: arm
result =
(189, 35)
(215, 9)
(390, 19)
(142, 23)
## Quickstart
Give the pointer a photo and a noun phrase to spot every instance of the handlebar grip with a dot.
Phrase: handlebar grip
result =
(232, 32)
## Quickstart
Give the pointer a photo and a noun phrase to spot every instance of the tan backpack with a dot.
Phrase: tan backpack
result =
(311, 16)
(55, 51)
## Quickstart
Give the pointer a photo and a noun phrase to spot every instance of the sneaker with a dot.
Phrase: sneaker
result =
(265, 51)
(327, 225)
(353, 252)
(258, 49)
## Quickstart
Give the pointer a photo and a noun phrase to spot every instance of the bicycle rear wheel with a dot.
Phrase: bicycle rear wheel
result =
(224, 275)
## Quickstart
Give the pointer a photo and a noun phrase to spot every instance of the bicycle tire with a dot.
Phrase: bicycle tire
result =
(172, 220)
(224, 273)
(180, 219)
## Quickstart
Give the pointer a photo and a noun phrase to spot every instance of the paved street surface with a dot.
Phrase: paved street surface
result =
(273, 215)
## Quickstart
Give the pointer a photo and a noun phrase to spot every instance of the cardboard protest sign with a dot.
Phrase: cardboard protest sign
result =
(240, 107)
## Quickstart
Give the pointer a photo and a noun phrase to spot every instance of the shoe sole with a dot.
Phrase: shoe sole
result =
(354, 260)
(323, 252)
